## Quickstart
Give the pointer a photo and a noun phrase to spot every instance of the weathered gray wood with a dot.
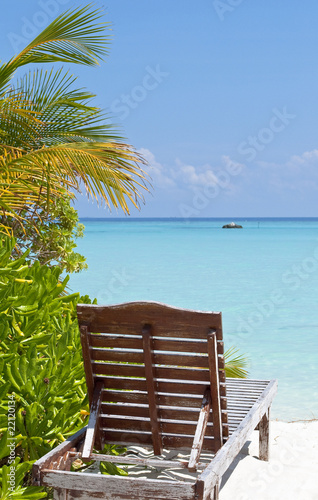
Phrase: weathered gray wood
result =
(52, 455)
(200, 431)
(264, 436)
(115, 487)
(205, 493)
(92, 427)
(60, 495)
(216, 491)
(149, 462)
(232, 447)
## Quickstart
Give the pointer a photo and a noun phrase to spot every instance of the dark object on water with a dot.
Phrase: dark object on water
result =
(232, 225)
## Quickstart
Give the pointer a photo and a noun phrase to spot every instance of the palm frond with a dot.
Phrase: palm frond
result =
(110, 172)
(63, 114)
(235, 363)
(75, 36)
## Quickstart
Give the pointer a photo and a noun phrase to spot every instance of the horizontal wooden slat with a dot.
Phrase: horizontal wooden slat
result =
(244, 390)
(178, 400)
(125, 397)
(125, 424)
(163, 386)
(191, 401)
(165, 412)
(119, 341)
(126, 370)
(117, 356)
(241, 397)
(181, 413)
(241, 390)
(246, 382)
(159, 344)
(166, 321)
(169, 441)
(126, 384)
(161, 371)
(186, 442)
(122, 459)
(182, 360)
(124, 409)
(143, 425)
(124, 356)
(181, 387)
(177, 427)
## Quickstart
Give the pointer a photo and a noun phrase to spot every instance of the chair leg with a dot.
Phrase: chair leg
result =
(216, 491)
(264, 437)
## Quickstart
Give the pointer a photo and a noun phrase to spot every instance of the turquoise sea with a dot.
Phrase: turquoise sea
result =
(264, 279)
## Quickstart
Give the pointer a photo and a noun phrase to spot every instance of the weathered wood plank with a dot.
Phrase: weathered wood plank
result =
(138, 397)
(130, 370)
(168, 321)
(232, 447)
(264, 436)
(170, 359)
(159, 344)
(92, 427)
(122, 437)
(114, 487)
(166, 412)
(162, 385)
(200, 431)
(144, 425)
(148, 462)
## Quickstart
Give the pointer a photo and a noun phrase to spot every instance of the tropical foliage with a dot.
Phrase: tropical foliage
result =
(53, 140)
(41, 374)
(235, 363)
(52, 241)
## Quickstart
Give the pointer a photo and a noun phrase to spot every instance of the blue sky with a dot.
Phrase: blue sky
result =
(219, 96)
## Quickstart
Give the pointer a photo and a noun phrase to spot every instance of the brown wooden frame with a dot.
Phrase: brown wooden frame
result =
(155, 377)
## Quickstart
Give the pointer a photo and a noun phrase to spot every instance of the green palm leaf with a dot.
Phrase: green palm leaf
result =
(235, 363)
(73, 37)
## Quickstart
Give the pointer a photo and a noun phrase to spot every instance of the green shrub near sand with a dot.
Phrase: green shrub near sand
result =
(41, 373)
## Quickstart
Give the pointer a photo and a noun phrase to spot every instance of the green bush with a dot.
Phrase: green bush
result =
(41, 373)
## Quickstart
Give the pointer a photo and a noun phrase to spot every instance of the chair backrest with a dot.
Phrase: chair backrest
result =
(156, 363)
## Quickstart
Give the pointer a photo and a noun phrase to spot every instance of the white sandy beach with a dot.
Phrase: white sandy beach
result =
(290, 474)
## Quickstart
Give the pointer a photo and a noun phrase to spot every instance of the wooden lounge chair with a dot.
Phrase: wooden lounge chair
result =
(155, 377)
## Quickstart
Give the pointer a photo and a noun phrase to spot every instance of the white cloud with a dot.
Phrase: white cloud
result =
(186, 176)
(158, 173)
(298, 174)
(194, 176)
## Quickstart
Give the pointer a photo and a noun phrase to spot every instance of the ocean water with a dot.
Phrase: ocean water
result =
(263, 278)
